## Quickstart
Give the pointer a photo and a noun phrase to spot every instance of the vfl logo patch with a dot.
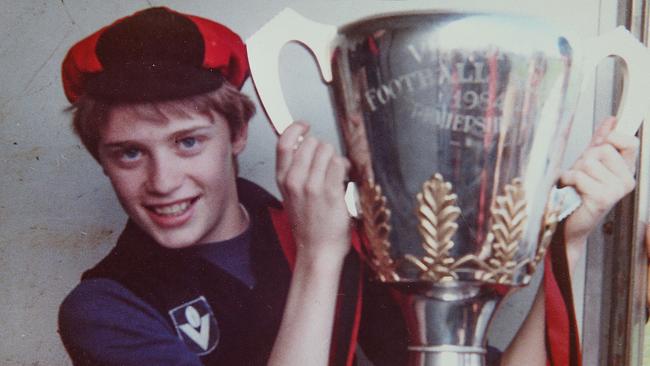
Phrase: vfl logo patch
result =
(196, 325)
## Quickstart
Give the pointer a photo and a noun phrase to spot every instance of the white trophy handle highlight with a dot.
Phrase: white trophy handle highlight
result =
(264, 48)
(620, 42)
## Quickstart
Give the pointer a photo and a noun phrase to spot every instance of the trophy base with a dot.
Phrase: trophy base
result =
(448, 323)
(446, 355)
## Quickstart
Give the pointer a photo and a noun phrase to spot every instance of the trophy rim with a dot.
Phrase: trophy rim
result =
(359, 25)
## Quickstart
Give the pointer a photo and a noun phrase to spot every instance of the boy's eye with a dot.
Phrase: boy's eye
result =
(131, 154)
(188, 142)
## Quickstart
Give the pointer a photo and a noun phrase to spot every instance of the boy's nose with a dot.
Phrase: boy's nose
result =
(165, 176)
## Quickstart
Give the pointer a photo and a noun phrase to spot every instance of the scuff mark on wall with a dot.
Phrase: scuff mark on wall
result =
(45, 87)
(42, 65)
(16, 163)
(92, 237)
(67, 12)
(26, 155)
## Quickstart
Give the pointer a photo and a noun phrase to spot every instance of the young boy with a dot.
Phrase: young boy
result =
(211, 269)
(198, 274)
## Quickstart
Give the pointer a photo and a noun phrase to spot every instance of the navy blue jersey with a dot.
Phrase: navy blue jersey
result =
(216, 304)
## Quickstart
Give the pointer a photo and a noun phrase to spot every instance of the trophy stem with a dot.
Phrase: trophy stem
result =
(448, 324)
(465, 356)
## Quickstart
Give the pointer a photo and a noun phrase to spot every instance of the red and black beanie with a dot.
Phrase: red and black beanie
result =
(153, 55)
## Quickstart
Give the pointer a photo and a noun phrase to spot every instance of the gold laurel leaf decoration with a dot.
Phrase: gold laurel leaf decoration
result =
(437, 213)
(549, 226)
(376, 218)
(509, 221)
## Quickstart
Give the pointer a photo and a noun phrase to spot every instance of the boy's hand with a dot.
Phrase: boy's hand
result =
(603, 175)
(310, 176)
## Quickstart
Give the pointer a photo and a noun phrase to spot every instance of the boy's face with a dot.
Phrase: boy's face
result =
(175, 179)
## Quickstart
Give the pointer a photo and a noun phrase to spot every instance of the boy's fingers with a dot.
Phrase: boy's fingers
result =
(599, 171)
(600, 135)
(298, 172)
(623, 141)
(318, 170)
(581, 181)
(621, 168)
(337, 172)
(286, 147)
(627, 146)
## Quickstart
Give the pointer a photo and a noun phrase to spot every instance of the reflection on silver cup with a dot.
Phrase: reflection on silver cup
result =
(456, 129)
(455, 144)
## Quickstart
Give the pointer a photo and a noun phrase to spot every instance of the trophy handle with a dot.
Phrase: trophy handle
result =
(618, 42)
(264, 48)
(634, 101)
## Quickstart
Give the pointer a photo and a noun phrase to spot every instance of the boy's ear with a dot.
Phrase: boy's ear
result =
(239, 139)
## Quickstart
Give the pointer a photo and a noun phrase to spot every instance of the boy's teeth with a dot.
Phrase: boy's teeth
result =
(171, 210)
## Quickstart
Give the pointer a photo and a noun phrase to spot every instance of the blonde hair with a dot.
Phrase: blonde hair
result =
(91, 115)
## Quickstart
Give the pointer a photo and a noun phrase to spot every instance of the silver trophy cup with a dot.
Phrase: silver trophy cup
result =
(455, 125)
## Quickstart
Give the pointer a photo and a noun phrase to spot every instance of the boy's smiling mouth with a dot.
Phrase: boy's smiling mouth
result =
(174, 209)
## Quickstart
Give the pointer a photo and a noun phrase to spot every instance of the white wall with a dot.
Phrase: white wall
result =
(58, 215)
